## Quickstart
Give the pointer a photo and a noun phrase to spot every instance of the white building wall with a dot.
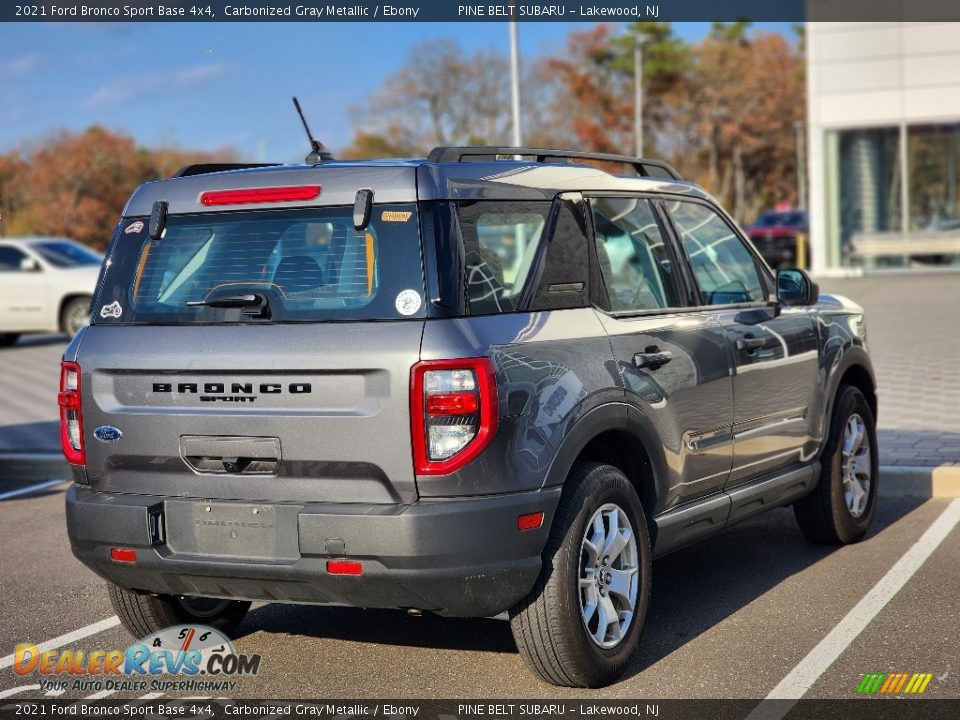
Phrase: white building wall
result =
(873, 74)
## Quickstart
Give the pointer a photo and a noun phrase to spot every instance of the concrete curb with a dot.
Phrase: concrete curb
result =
(921, 482)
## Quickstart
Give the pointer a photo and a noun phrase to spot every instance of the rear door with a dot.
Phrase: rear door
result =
(673, 357)
(300, 394)
(775, 385)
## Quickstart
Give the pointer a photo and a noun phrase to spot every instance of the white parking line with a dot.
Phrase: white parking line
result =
(101, 694)
(806, 673)
(17, 690)
(31, 489)
(93, 629)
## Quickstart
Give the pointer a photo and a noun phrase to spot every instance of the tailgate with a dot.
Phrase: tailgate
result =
(280, 413)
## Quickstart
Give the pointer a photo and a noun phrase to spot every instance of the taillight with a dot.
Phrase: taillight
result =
(71, 413)
(453, 411)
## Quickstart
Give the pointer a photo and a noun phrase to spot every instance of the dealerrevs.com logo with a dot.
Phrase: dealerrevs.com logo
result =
(894, 683)
(199, 658)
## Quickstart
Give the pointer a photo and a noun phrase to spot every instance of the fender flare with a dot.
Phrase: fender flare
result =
(855, 356)
(618, 416)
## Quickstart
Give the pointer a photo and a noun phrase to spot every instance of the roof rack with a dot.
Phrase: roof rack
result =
(644, 167)
(204, 168)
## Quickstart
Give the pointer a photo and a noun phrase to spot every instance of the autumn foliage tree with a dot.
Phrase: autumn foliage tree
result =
(76, 184)
(721, 110)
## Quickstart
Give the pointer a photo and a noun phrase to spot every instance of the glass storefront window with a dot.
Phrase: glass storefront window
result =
(933, 157)
(865, 185)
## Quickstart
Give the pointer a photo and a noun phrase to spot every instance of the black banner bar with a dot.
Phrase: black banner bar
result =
(872, 708)
(478, 11)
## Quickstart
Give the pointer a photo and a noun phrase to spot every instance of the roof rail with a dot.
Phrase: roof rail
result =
(204, 168)
(644, 167)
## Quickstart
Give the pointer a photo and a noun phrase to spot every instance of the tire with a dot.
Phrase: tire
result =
(548, 625)
(143, 615)
(74, 316)
(8, 339)
(828, 516)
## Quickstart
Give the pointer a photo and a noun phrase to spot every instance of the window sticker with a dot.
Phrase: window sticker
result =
(408, 302)
(112, 310)
(134, 227)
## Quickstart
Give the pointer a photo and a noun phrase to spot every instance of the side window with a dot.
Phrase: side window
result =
(10, 259)
(500, 242)
(725, 269)
(633, 256)
(566, 268)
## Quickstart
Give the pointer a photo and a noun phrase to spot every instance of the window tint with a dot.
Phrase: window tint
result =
(499, 244)
(10, 259)
(725, 270)
(633, 257)
(309, 264)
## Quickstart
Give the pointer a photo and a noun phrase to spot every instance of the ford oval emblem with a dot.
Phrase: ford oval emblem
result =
(107, 433)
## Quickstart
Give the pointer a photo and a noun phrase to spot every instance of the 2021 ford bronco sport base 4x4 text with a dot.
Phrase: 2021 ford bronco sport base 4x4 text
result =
(466, 384)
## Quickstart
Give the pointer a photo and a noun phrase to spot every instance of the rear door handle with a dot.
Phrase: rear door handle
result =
(748, 343)
(652, 358)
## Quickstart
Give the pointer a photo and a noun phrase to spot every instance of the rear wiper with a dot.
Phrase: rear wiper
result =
(256, 304)
(230, 301)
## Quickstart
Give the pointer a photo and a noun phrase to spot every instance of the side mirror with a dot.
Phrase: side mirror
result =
(29, 264)
(795, 288)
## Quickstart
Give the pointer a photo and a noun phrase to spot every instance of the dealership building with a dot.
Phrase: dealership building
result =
(883, 144)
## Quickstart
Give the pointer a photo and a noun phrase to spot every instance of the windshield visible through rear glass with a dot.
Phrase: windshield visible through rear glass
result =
(63, 254)
(277, 265)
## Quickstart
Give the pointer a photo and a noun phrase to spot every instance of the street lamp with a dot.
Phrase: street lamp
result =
(515, 83)
(638, 93)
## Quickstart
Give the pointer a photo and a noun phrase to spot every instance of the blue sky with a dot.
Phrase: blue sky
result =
(201, 85)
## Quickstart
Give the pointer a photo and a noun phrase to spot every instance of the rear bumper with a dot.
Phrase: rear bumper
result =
(455, 557)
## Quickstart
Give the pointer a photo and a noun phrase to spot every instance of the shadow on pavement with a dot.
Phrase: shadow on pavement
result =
(31, 438)
(38, 341)
(693, 590)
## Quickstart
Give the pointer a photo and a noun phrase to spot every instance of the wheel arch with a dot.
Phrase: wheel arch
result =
(854, 369)
(614, 434)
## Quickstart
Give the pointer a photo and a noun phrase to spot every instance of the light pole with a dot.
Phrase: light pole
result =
(515, 84)
(801, 167)
(638, 93)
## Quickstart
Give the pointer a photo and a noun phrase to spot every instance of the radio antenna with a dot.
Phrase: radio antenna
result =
(318, 153)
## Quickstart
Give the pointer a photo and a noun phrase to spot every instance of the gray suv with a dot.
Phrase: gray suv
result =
(495, 379)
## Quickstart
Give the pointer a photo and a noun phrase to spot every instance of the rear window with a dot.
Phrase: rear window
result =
(300, 265)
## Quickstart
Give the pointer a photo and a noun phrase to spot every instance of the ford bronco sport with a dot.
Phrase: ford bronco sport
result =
(495, 379)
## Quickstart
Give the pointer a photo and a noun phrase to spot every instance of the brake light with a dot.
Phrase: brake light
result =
(247, 196)
(453, 413)
(71, 413)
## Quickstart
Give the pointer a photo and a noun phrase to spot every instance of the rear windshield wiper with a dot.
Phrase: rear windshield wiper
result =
(230, 301)
(255, 305)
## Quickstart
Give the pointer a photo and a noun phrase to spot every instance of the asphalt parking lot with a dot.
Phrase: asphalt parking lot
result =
(732, 617)
(756, 612)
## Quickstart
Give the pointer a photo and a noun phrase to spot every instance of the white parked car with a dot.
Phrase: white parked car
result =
(45, 286)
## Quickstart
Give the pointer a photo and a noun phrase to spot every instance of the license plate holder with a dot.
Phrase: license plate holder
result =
(256, 531)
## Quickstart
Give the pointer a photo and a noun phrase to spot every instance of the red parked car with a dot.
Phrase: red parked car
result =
(775, 235)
